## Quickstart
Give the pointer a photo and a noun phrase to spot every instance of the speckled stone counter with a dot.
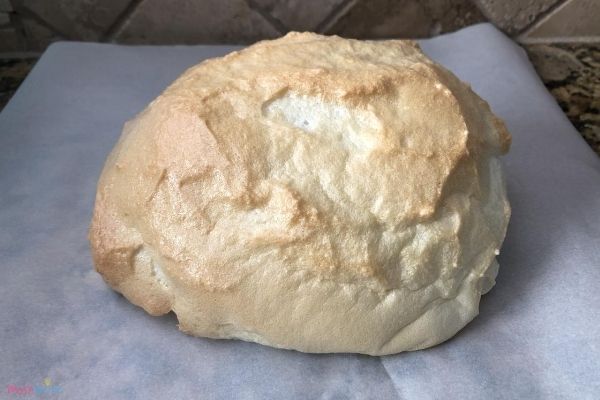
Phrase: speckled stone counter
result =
(572, 74)
(570, 71)
(12, 73)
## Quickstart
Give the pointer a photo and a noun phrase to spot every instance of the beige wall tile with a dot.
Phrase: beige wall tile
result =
(514, 16)
(37, 36)
(190, 22)
(299, 15)
(575, 18)
(77, 19)
(451, 15)
(405, 18)
(384, 18)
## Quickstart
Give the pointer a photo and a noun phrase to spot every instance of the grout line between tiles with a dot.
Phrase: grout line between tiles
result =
(338, 11)
(23, 11)
(540, 17)
(275, 22)
(120, 21)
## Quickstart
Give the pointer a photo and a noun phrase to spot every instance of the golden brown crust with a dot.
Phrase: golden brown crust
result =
(310, 192)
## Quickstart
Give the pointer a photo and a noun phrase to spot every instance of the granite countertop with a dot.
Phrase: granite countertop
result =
(12, 72)
(570, 71)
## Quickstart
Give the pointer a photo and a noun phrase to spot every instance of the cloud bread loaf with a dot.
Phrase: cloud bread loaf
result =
(310, 193)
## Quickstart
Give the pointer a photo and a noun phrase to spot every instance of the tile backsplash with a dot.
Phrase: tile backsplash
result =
(30, 25)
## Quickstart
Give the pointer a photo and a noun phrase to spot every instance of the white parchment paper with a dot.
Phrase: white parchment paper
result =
(537, 336)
